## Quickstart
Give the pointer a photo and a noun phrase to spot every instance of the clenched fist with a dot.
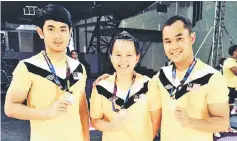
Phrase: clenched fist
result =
(60, 107)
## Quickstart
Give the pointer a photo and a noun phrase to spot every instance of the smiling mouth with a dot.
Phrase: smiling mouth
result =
(176, 53)
(58, 43)
(123, 66)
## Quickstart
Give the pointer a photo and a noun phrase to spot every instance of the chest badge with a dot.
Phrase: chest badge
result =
(76, 75)
(193, 86)
(139, 97)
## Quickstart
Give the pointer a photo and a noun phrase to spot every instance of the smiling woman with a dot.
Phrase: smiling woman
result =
(117, 101)
(124, 57)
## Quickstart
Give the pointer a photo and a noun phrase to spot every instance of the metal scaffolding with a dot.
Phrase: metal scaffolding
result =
(102, 34)
(217, 52)
(143, 48)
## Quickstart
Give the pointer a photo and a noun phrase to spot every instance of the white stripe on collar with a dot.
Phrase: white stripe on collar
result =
(138, 85)
(194, 75)
(39, 61)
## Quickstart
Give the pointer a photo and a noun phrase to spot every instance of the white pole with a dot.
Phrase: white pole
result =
(204, 41)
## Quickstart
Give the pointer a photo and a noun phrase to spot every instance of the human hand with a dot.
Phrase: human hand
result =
(182, 116)
(70, 98)
(119, 122)
(58, 108)
(102, 77)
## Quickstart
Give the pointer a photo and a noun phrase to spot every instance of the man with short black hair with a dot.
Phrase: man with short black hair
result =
(53, 84)
(193, 96)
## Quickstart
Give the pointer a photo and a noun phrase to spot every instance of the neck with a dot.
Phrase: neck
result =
(124, 79)
(184, 64)
(53, 55)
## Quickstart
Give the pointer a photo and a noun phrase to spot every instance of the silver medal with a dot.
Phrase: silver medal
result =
(172, 104)
(70, 98)
(123, 112)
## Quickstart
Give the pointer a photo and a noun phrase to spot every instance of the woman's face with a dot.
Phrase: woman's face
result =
(124, 57)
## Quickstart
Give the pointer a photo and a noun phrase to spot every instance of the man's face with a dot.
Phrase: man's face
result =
(178, 42)
(56, 35)
(74, 55)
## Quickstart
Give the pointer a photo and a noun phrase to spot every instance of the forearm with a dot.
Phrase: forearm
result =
(212, 124)
(156, 121)
(85, 126)
(84, 116)
(102, 125)
(155, 128)
(20, 111)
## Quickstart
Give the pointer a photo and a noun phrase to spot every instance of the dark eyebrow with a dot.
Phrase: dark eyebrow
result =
(50, 26)
(180, 34)
(63, 26)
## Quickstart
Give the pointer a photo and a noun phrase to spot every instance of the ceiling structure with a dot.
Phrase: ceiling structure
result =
(12, 11)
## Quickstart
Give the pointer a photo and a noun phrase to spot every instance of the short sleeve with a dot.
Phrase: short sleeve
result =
(230, 63)
(217, 89)
(21, 80)
(153, 94)
(96, 111)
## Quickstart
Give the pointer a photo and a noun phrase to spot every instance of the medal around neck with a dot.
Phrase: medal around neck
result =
(123, 112)
(173, 104)
(70, 98)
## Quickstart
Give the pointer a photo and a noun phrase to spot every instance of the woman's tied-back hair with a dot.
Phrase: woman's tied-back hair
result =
(54, 12)
(124, 35)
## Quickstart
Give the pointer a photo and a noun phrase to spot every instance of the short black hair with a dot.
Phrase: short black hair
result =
(187, 23)
(124, 35)
(54, 12)
(232, 49)
(72, 51)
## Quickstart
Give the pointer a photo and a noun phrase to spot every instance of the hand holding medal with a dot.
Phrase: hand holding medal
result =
(70, 97)
(119, 122)
(182, 116)
(58, 108)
